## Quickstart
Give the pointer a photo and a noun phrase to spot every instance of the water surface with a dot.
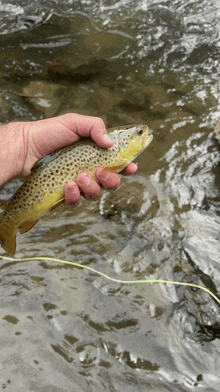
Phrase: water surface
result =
(63, 328)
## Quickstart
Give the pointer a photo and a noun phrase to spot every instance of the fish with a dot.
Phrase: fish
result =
(44, 189)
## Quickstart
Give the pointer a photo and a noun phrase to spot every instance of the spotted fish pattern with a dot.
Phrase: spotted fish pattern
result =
(44, 190)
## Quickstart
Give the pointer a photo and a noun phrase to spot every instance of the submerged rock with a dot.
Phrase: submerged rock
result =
(43, 96)
(79, 73)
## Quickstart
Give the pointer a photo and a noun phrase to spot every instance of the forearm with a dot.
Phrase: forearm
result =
(11, 151)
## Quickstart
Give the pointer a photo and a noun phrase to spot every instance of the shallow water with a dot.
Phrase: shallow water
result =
(64, 328)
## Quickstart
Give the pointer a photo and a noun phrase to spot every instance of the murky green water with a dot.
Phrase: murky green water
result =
(66, 329)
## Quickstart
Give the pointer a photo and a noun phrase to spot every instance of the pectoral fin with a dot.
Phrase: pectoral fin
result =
(117, 168)
(56, 204)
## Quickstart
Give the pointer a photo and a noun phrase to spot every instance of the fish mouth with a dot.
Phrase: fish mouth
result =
(147, 141)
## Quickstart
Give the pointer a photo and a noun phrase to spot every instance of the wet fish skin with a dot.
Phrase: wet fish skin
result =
(44, 190)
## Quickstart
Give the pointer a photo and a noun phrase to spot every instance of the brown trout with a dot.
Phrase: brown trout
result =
(44, 189)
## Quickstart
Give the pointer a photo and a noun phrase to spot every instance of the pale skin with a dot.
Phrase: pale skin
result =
(23, 143)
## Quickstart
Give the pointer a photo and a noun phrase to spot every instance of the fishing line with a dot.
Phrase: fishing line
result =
(114, 279)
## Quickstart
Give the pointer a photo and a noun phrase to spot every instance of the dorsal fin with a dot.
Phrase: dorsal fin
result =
(45, 160)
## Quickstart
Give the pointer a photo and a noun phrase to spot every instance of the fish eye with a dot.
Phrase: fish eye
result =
(140, 132)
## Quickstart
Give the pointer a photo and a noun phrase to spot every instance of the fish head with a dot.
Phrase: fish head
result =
(132, 140)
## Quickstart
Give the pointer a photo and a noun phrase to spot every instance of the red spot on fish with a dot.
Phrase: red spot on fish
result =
(45, 189)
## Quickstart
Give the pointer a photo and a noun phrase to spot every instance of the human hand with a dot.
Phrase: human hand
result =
(44, 136)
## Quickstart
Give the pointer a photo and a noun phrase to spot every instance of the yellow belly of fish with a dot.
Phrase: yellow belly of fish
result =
(31, 216)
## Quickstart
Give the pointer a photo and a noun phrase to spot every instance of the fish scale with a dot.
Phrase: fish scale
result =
(44, 190)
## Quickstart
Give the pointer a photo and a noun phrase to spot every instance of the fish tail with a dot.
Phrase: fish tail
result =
(8, 239)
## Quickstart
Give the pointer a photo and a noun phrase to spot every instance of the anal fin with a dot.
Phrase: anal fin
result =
(26, 226)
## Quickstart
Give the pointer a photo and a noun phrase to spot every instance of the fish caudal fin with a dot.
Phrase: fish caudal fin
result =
(8, 240)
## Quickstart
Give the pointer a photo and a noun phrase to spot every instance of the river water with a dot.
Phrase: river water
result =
(67, 329)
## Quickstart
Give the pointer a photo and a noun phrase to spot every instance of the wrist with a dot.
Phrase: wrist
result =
(12, 151)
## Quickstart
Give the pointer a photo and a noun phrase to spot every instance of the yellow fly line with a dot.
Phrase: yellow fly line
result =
(114, 279)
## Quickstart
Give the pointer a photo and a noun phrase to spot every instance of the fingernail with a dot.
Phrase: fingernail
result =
(74, 188)
(107, 138)
(84, 179)
(102, 173)
(93, 196)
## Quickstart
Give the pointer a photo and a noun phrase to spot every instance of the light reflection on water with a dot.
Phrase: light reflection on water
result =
(66, 329)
